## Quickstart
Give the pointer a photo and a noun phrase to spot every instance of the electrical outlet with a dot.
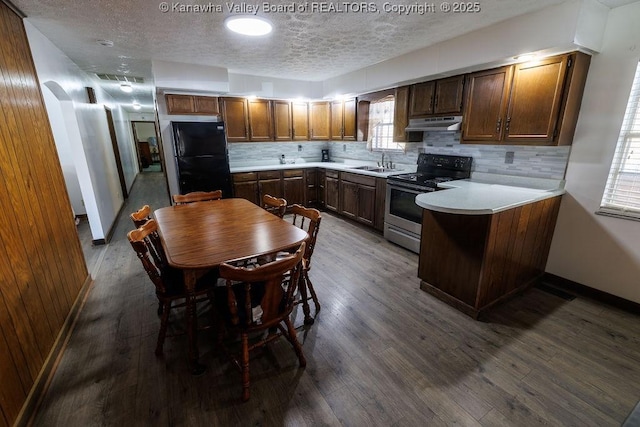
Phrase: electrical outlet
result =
(508, 157)
(299, 147)
(344, 147)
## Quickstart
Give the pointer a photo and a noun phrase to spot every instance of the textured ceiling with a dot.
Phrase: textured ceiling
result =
(309, 45)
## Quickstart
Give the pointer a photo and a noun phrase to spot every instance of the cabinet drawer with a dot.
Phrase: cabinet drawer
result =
(332, 174)
(359, 179)
(269, 175)
(293, 173)
(244, 177)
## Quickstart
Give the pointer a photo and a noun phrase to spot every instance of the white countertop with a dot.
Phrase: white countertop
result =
(480, 196)
(339, 166)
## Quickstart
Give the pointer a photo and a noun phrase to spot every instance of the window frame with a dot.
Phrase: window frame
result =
(388, 145)
(618, 201)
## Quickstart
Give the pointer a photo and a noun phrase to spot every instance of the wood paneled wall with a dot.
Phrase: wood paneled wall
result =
(42, 268)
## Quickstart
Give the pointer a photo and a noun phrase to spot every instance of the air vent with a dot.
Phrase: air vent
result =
(120, 78)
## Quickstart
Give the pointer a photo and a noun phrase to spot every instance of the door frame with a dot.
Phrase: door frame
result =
(116, 152)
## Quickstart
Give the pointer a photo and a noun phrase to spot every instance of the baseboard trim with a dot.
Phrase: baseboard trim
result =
(42, 382)
(595, 294)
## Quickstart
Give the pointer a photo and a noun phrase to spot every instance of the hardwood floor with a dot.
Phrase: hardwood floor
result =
(381, 352)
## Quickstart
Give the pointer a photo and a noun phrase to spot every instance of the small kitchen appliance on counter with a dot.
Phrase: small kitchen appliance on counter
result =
(325, 155)
(403, 218)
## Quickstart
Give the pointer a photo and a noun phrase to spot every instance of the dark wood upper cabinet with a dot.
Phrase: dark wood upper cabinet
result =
(206, 105)
(487, 95)
(192, 104)
(448, 95)
(350, 120)
(343, 120)
(236, 118)
(300, 121)
(421, 103)
(532, 103)
(260, 120)
(436, 97)
(319, 120)
(401, 113)
(282, 125)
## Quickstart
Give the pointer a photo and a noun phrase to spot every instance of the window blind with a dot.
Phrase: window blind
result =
(622, 193)
(381, 114)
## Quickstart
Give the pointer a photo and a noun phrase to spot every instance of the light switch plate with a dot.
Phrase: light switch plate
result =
(508, 157)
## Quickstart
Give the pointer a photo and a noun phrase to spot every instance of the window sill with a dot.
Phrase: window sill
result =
(633, 216)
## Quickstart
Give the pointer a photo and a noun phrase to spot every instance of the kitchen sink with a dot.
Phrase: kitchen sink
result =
(374, 169)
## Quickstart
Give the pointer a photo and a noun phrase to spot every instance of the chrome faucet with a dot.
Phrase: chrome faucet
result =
(381, 164)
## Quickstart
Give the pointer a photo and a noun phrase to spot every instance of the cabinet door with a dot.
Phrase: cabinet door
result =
(485, 105)
(300, 121)
(534, 103)
(206, 105)
(319, 113)
(350, 120)
(332, 193)
(260, 122)
(349, 199)
(282, 120)
(270, 186)
(401, 113)
(448, 95)
(337, 120)
(422, 99)
(320, 182)
(180, 104)
(366, 204)
(246, 190)
(294, 190)
(234, 113)
(311, 187)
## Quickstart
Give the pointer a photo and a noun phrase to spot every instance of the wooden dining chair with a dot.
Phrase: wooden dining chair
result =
(275, 205)
(168, 282)
(259, 299)
(307, 219)
(197, 196)
(141, 216)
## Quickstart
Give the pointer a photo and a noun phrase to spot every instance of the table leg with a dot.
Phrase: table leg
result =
(192, 323)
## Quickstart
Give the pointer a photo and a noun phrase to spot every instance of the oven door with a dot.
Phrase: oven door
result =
(403, 218)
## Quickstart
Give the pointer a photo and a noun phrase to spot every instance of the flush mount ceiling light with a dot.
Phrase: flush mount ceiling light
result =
(136, 106)
(248, 25)
(126, 87)
(106, 43)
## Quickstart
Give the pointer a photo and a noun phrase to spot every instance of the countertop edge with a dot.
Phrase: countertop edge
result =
(325, 165)
(528, 197)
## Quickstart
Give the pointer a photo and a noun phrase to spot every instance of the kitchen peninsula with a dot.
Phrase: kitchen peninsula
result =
(484, 240)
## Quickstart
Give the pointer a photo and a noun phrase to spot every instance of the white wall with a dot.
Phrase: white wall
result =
(597, 251)
(96, 169)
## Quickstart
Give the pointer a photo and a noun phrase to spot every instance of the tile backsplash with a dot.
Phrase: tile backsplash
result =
(529, 161)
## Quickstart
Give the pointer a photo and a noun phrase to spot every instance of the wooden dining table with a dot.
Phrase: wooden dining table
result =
(198, 237)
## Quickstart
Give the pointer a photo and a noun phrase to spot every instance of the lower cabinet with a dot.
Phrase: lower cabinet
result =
(294, 187)
(473, 262)
(332, 190)
(289, 184)
(245, 186)
(358, 197)
(355, 196)
(270, 182)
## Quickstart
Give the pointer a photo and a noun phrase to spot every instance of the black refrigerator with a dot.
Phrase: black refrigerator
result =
(202, 158)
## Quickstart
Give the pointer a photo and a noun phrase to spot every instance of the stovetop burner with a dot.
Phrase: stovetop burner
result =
(434, 169)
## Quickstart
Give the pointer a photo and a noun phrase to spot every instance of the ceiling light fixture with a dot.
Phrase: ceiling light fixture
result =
(126, 87)
(106, 43)
(136, 106)
(248, 25)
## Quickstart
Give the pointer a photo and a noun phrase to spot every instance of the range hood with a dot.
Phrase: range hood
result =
(434, 124)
